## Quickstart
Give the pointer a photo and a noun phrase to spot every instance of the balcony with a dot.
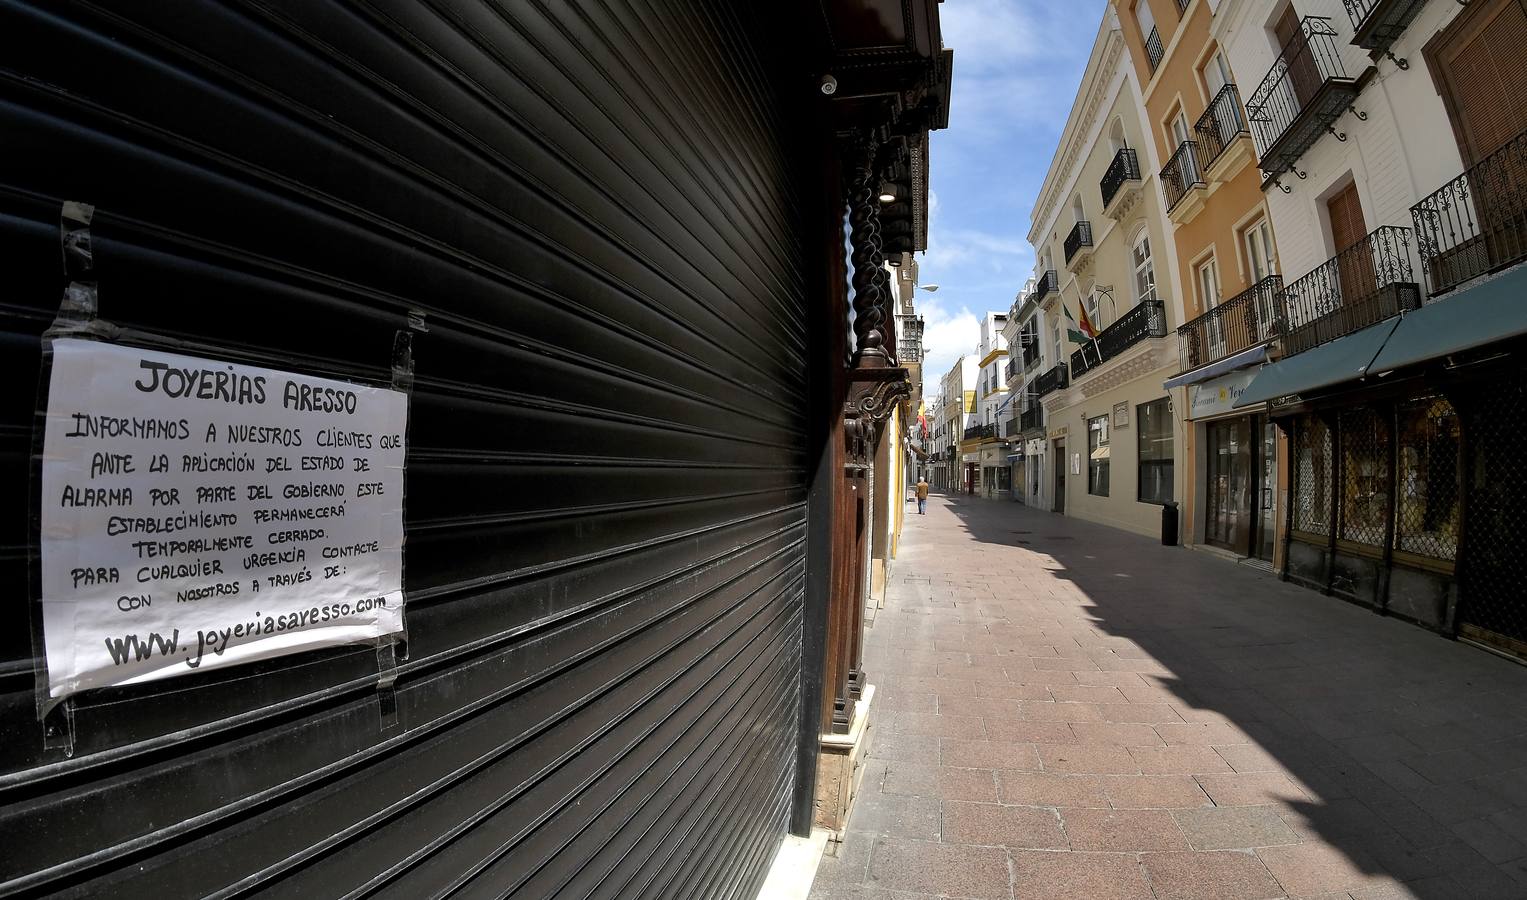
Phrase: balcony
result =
(1031, 351)
(1121, 184)
(1032, 419)
(1224, 141)
(1153, 49)
(909, 339)
(1146, 320)
(1182, 184)
(1366, 283)
(1306, 90)
(1010, 428)
(980, 432)
(1051, 380)
(1240, 323)
(1377, 24)
(1477, 223)
(1078, 246)
(1048, 284)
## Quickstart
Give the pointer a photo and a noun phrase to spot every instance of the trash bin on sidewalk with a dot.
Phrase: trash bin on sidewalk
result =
(1169, 523)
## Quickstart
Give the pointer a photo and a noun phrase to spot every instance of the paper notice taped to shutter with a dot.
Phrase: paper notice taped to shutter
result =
(198, 513)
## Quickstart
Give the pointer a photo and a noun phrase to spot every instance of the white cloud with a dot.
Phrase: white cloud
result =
(948, 333)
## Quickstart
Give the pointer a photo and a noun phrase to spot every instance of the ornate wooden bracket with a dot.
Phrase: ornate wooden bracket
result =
(872, 394)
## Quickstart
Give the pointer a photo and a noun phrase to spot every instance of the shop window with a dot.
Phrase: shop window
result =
(1097, 456)
(1427, 486)
(1365, 481)
(1312, 476)
(1154, 426)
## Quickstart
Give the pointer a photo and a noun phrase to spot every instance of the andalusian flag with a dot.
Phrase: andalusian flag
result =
(1074, 333)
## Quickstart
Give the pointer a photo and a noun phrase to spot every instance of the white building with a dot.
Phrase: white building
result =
(957, 394)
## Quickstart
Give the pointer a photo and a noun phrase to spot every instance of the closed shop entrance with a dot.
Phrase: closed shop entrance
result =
(1239, 481)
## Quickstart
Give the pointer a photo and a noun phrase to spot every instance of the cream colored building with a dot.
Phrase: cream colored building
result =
(1102, 242)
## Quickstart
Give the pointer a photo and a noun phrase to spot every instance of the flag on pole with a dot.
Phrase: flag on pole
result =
(1087, 324)
(1072, 331)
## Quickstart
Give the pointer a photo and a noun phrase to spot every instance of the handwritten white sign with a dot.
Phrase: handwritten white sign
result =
(198, 514)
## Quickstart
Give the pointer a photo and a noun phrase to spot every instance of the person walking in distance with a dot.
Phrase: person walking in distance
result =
(922, 496)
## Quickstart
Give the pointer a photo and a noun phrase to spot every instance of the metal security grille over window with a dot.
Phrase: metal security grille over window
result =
(1364, 476)
(1154, 423)
(1427, 485)
(1097, 456)
(1491, 577)
(1312, 476)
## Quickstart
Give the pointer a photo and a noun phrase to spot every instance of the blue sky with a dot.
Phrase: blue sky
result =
(1017, 64)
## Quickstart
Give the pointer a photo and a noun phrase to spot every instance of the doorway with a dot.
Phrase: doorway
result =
(1060, 477)
(1240, 484)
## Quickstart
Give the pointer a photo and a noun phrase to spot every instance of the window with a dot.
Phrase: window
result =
(1217, 75)
(1261, 258)
(1145, 270)
(1055, 338)
(1312, 476)
(1097, 456)
(1144, 18)
(1154, 421)
(1428, 488)
(1116, 139)
(1206, 277)
(1364, 488)
(1093, 307)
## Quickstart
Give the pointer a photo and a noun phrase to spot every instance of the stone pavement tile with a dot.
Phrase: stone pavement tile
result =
(1219, 875)
(1122, 734)
(1048, 711)
(1256, 789)
(846, 862)
(1453, 803)
(1086, 693)
(1234, 828)
(933, 868)
(905, 747)
(905, 701)
(1452, 766)
(1080, 759)
(1492, 842)
(941, 726)
(1112, 679)
(1039, 875)
(1145, 693)
(1143, 713)
(949, 687)
(1012, 690)
(1178, 760)
(1029, 789)
(1029, 732)
(1249, 758)
(1389, 745)
(1312, 869)
(1065, 664)
(1471, 870)
(894, 815)
(1154, 792)
(977, 706)
(1023, 827)
(1396, 774)
(831, 891)
(961, 753)
(1202, 734)
(917, 780)
(1122, 830)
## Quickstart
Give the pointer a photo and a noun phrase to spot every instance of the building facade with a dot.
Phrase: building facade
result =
(1105, 258)
(1228, 268)
(983, 455)
(959, 403)
(1389, 136)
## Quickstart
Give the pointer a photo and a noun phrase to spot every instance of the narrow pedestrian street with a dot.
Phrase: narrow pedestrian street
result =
(1065, 710)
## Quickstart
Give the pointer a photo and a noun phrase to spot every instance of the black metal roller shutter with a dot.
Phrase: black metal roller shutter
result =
(597, 208)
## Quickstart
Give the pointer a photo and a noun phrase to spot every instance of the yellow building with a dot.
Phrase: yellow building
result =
(1227, 263)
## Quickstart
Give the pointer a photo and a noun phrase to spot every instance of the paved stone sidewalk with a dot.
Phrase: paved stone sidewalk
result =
(1069, 711)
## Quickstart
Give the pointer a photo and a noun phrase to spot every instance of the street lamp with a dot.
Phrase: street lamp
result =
(930, 288)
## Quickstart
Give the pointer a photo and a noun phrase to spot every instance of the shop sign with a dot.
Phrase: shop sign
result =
(1218, 395)
(197, 514)
(1036, 446)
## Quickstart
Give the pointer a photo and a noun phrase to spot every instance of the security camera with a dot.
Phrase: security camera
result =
(829, 85)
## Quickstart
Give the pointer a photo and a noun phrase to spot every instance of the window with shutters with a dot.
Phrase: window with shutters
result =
(1480, 65)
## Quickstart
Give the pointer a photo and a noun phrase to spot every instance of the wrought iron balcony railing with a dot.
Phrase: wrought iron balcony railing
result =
(1146, 320)
(1153, 49)
(1051, 380)
(1125, 167)
(1366, 283)
(1048, 283)
(1240, 323)
(1080, 236)
(1181, 174)
(1306, 89)
(1032, 418)
(1182, 6)
(977, 432)
(1476, 223)
(1377, 24)
(1011, 427)
(1220, 125)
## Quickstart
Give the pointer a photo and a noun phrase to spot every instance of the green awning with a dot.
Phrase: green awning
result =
(1492, 311)
(1348, 357)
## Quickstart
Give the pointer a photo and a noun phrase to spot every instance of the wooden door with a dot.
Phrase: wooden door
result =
(1354, 258)
(1303, 73)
